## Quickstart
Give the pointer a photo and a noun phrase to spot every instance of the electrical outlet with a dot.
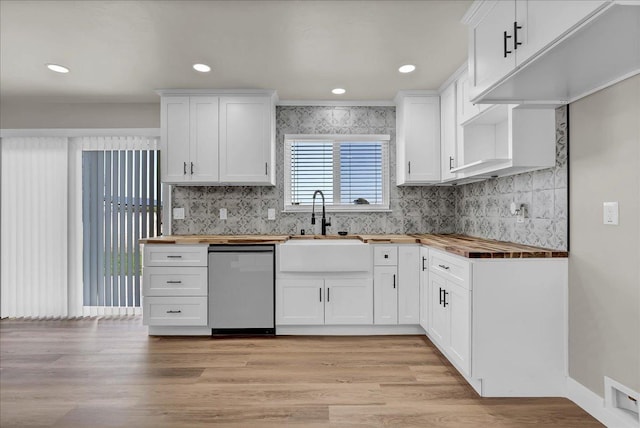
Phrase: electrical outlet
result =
(178, 213)
(223, 213)
(610, 213)
(271, 214)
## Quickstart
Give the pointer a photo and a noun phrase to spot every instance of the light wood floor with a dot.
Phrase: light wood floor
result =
(109, 373)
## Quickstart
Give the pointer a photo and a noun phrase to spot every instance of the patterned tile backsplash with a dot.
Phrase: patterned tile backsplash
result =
(482, 209)
(478, 209)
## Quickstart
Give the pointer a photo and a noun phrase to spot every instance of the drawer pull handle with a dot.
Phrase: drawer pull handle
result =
(171, 256)
(444, 267)
(174, 282)
(170, 311)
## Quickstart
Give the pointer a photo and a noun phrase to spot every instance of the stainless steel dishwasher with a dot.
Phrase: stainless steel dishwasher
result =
(242, 289)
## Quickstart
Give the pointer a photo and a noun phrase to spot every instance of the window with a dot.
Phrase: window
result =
(351, 170)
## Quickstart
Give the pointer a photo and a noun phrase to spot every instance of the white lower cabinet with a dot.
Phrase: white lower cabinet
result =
(424, 288)
(324, 301)
(396, 284)
(500, 321)
(174, 285)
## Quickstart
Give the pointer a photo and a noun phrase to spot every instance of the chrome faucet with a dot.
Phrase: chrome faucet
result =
(324, 221)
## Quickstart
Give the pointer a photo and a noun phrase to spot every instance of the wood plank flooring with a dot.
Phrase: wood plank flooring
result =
(109, 373)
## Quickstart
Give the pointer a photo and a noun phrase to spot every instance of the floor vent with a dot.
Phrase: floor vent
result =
(621, 401)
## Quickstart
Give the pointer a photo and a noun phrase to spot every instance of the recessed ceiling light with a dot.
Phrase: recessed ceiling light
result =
(338, 91)
(202, 68)
(57, 68)
(408, 68)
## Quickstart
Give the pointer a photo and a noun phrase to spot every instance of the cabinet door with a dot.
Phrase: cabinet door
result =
(543, 22)
(385, 295)
(174, 144)
(421, 124)
(438, 314)
(457, 301)
(203, 153)
(300, 301)
(245, 140)
(424, 287)
(448, 132)
(349, 301)
(489, 61)
(408, 284)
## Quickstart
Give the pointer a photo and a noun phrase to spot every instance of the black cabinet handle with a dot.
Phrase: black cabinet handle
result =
(394, 280)
(444, 301)
(174, 282)
(444, 267)
(191, 168)
(505, 37)
(184, 169)
(450, 162)
(328, 294)
(423, 266)
(171, 256)
(409, 167)
(266, 168)
(320, 290)
(173, 312)
(516, 27)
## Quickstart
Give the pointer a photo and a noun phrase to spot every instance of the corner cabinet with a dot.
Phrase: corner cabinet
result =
(418, 138)
(218, 137)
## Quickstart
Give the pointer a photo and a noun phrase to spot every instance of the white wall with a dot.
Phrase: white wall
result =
(604, 262)
(21, 114)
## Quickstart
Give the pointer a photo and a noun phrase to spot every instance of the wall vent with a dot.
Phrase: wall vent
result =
(622, 401)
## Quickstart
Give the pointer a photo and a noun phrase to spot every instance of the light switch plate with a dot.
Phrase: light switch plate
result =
(223, 213)
(271, 214)
(178, 213)
(610, 213)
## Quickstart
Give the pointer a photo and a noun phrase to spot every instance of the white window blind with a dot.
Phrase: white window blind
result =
(351, 171)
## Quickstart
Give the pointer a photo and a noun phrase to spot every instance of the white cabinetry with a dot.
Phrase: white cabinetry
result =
(500, 321)
(174, 284)
(449, 308)
(549, 51)
(246, 140)
(396, 284)
(424, 287)
(189, 143)
(328, 301)
(218, 137)
(507, 139)
(418, 138)
(448, 132)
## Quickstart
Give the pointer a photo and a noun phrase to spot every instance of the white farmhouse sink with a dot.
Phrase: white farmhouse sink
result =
(324, 255)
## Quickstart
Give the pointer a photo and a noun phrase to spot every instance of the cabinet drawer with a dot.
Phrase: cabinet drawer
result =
(175, 311)
(450, 267)
(174, 281)
(175, 255)
(385, 255)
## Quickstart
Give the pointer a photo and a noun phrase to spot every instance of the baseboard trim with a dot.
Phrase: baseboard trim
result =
(593, 404)
(347, 330)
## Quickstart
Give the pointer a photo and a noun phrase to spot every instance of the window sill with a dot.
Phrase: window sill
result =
(334, 209)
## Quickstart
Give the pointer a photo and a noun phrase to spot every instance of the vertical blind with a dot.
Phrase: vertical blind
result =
(34, 240)
(121, 203)
(348, 172)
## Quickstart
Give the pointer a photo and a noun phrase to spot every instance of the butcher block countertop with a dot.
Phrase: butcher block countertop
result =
(478, 248)
(461, 245)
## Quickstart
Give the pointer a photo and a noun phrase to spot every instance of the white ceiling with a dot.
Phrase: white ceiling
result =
(121, 51)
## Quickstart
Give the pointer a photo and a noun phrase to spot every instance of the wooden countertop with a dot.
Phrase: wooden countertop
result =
(478, 248)
(216, 239)
(461, 245)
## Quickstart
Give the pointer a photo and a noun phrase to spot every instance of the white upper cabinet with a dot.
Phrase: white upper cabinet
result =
(507, 139)
(540, 51)
(216, 137)
(246, 140)
(418, 138)
(448, 132)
